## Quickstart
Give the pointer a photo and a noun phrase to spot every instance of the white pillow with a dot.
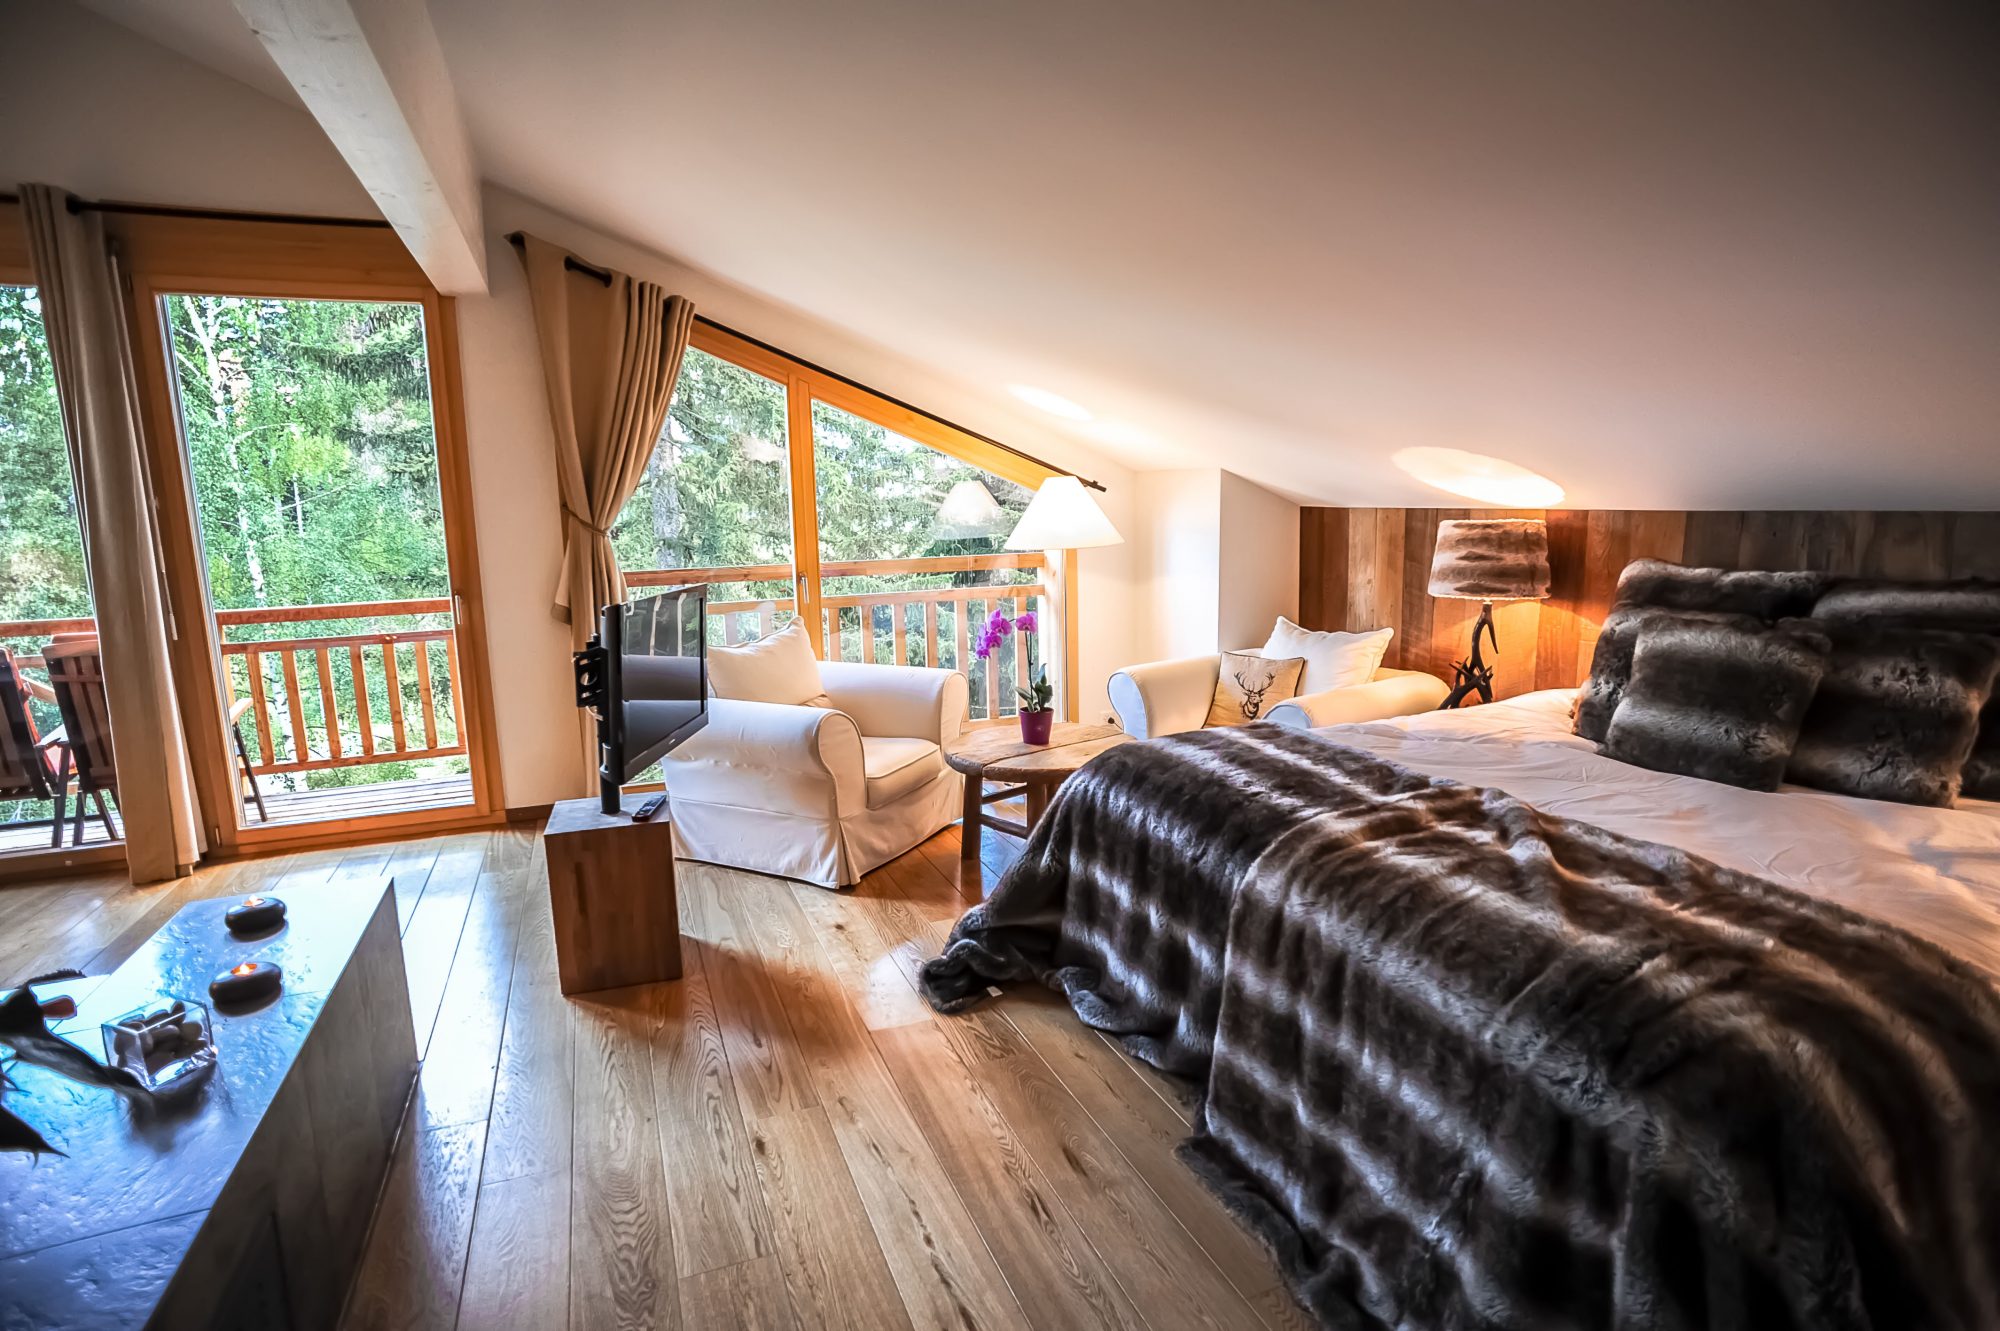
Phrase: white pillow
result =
(1333, 660)
(778, 668)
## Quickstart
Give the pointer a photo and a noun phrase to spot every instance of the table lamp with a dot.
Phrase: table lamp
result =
(1061, 517)
(1488, 560)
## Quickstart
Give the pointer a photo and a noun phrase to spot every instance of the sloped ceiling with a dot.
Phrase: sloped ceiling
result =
(1692, 255)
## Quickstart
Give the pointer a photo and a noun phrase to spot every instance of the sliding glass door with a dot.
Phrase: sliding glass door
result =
(797, 495)
(310, 446)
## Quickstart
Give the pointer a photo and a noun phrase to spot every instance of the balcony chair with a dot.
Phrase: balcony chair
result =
(1168, 697)
(243, 768)
(815, 770)
(76, 674)
(24, 757)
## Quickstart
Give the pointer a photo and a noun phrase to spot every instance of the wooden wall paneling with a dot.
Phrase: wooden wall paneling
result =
(1379, 574)
(1556, 628)
(1323, 568)
(1974, 547)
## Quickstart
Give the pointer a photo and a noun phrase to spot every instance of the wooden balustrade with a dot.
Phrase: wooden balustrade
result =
(306, 721)
(922, 626)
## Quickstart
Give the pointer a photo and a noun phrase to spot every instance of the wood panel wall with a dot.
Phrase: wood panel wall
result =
(1362, 568)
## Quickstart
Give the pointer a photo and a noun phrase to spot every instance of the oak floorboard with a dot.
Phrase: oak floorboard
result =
(868, 976)
(833, 1269)
(621, 1245)
(934, 1250)
(749, 1296)
(455, 1084)
(414, 1264)
(719, 1218)
(409, 865)
(1146, 1129)
(532, 1101)
(431, 941)
(757, 1036)
(1051, 1267)
(1155, 1259)
(517, 1267)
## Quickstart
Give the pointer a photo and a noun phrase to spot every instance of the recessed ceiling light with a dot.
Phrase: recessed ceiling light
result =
(1053, 403)
(1477, 476)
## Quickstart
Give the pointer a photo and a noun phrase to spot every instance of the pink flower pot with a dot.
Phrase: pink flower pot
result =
(1035, 726)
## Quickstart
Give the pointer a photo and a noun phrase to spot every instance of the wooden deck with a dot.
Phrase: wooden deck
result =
(787, 1136)
(304, 806)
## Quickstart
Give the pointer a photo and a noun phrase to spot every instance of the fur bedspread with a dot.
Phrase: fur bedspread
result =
(1467, 1065)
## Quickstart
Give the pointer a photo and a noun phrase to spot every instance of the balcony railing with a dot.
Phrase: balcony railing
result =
(933, 626)
(343, 699)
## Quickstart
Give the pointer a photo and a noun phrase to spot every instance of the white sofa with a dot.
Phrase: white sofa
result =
(822, 793)
(1167, 697)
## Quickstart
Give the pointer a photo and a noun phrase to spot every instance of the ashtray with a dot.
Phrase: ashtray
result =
(163, 1044)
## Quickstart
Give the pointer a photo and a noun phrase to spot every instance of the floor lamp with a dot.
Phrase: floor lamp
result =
(1061, 518)
(1488, 560)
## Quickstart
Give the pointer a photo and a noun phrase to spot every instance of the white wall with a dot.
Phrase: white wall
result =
(1179, 552)
(92, 108)
(1258, 554)
(514, 489)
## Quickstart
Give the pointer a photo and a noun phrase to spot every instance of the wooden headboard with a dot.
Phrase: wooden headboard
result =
(1362, 568)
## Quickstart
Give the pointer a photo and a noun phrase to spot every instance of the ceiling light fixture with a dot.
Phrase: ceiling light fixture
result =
(1053, 403)
(1478, 476)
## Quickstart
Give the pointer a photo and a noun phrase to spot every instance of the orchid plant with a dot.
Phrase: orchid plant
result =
(1038, 696)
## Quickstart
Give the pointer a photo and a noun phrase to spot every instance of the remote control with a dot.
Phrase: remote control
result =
(648, 809)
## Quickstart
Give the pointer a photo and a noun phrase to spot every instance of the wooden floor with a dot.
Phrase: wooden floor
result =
(785, 1137)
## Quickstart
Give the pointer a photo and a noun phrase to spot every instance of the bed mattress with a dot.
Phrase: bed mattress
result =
(1935, 872)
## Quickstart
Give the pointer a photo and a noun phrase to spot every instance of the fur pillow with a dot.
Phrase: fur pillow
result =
(1720, 697)
(1897, 714)
(1249, 684)
(1966, 605)
(1654, 584)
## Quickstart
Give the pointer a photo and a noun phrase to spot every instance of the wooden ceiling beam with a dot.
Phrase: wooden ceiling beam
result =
(374, 77)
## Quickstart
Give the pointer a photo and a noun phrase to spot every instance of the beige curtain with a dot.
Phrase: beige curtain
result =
(90, 345)
(611, 353)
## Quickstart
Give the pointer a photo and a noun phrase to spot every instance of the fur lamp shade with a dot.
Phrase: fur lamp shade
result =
(1491, 559)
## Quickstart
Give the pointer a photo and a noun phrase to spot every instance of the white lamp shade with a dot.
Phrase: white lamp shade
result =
(969, 511)
(1063, 516)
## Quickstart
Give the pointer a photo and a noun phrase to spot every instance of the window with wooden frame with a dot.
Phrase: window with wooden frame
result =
(795, 494)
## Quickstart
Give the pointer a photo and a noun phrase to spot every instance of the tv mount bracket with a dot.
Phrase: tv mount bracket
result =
(592, 693)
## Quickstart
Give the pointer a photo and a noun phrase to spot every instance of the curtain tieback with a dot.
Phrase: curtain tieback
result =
(580, 521)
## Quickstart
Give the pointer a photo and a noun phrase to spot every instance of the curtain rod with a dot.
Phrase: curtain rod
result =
(77, 205)
(576, 265)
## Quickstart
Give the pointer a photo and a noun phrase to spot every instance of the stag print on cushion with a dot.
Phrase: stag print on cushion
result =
(1720, 697)
(1247, 685)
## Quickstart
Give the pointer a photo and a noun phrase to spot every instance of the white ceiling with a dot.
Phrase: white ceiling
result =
(1704, 254)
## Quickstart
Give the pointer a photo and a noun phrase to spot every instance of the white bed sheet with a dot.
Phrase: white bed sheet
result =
(1935, 872)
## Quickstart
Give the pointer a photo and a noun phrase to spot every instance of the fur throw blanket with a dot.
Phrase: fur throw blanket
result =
(1468, 1065)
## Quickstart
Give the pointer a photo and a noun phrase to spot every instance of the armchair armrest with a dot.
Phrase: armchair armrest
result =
(909, 702)
(1164, 697)
(766, 755)
(1390, 693)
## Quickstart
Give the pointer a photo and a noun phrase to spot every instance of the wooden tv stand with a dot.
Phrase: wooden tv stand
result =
(611, 886)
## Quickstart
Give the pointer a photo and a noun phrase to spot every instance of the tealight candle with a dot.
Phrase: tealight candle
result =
(246, 982)
(254, 915)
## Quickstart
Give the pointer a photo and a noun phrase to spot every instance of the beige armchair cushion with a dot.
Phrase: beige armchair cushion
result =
(894, 766)
(777, 668)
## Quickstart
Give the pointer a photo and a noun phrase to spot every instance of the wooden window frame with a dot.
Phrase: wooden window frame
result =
(806, 383)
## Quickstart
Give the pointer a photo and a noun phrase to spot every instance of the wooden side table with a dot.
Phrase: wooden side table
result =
(611, 886)
(997, 753)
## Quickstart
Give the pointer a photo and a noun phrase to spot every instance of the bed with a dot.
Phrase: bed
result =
(1694, 1101)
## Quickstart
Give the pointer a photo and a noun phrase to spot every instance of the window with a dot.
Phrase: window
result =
(794, 494)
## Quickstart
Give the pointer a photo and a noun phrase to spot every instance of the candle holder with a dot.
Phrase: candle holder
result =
(246, 982)
(164, 1044)
(255, 915)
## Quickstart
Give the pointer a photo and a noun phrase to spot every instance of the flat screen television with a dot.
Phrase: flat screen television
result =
(645, 677)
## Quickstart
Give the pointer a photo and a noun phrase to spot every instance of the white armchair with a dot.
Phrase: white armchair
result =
(821, 793)
(1167, 697)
